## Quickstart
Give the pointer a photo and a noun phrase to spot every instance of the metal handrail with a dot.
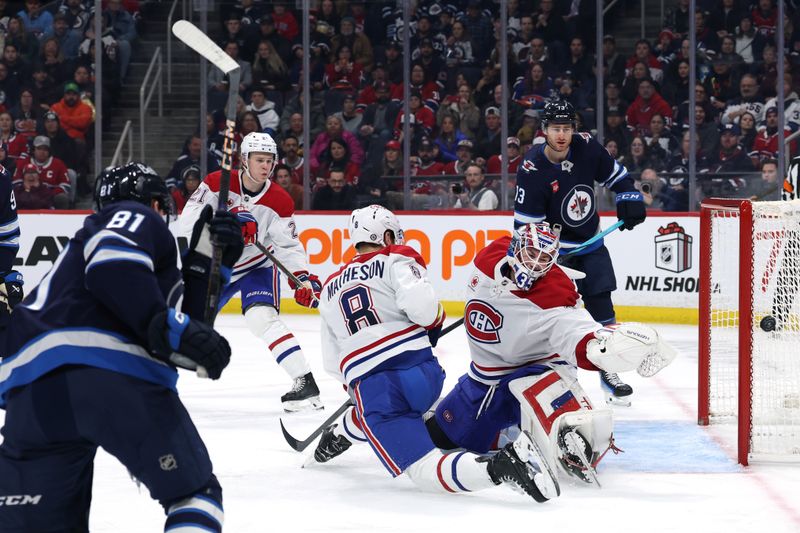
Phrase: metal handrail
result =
(158, 83)
(127, 135)
(609, 6)
(169, 40)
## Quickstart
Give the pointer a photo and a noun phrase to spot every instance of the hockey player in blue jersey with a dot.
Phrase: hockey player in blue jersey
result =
(555, 183)
(87, 363)
(10, 280)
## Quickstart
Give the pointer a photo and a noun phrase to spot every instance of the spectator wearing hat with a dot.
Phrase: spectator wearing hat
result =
(427, 163)
(190, 156)
(465, 154)
(357, 42)
(488, 139)
(62, 145)
(766, 144)
(647, 103)
(52, 172)
(726, 172)
(265, 31)
(76, 116)
(30, 192)
(431, 61)
(351, 120)
(284, 177)
(475, 195)
(189, 182)
(270, 73)
(336, 195)
(494, 164)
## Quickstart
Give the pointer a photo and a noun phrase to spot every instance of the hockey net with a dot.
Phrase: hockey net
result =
(749, 329)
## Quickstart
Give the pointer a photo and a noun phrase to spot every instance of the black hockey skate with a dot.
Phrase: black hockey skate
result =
(304, 395)
(618, 391)
(512, 465)
(576, 455)
(331, 445)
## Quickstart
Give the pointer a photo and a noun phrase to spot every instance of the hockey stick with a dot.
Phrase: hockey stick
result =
(294, 279)
(617, 224)
(203, 45)
(300, 445)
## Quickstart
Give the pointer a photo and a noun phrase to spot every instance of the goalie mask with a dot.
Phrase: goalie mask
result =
(369, 224)
(532, 252)
(260, 143)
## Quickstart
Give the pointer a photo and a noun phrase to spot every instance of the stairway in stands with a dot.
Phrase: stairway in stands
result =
(164, 136)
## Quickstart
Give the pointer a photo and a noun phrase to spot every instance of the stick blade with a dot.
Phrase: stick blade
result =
(203, 45)
(293, 442)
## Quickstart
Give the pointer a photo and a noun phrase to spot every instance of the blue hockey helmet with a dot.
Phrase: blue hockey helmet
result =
(133, 181)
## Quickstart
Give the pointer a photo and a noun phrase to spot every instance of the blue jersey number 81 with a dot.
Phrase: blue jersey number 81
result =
(356, 306)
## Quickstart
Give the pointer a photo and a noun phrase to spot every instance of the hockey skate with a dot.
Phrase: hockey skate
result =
(303, 396)
(330, 445)
(514, 465)
(618, 392)
(576, 455)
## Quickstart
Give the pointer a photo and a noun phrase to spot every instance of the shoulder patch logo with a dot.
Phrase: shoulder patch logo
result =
(554, 186)
(483, 322)
(585, 136)
(528, 166)
(566, 166)
(578, 205)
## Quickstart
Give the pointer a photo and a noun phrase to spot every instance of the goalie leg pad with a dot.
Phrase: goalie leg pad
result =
(450, 472)
(264, 323)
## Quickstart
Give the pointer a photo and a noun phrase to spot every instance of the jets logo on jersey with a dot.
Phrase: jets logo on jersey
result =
(528, 166)
(483, 322)
(578, 205)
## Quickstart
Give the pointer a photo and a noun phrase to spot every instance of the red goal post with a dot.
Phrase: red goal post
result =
(749, 325)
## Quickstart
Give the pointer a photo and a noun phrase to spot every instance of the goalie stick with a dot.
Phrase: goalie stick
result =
(203, 45)
(300, 445)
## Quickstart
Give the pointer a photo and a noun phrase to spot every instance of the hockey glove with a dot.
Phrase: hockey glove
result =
(435, 329)
(225, 228)
(11, 292)
(170, 331)
(306, 294)
(630, 209)
(249, 224)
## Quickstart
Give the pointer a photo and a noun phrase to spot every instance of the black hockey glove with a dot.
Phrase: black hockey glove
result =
(170, 331)
(630, 209)
(227, 232)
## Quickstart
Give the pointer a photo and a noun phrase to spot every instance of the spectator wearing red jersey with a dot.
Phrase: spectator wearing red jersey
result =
(344, 74)
(52, 172)
(76, 116)
(464, 152)
(643, 52)
(190, 181)
(766, 144)
(765, 18)
(285, 23)
(428, 166)
(15, 145)
(31, 193)
(647, 104)
(494, 164)
(423, 116)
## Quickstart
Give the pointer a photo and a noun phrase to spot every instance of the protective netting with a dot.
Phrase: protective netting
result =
(774, 334)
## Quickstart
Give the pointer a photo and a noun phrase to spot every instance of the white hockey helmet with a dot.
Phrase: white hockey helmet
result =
(258, 142)
(369, 224)
(533, 252)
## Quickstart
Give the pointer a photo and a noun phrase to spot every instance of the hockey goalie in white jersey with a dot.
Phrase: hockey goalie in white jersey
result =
(380, 317)
(527, 335)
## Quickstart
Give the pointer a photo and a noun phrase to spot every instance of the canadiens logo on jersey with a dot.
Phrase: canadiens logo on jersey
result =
(578, 205)
(483, 322)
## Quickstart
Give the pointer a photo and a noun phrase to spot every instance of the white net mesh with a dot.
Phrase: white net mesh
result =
(775, 329)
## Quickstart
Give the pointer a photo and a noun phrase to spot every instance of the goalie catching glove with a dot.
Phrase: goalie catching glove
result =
(307, 293)
(170, 331)
(630, 346)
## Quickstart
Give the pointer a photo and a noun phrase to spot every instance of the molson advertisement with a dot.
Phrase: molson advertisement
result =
(656, 264)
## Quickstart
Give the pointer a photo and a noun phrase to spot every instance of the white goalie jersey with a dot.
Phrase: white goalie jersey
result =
(374, 308)
(273, 210)
(508, 328)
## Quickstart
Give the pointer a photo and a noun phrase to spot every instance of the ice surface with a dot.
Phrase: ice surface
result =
(674, 476)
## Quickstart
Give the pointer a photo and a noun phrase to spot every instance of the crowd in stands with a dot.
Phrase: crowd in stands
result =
(455, 96)
(47, 109)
